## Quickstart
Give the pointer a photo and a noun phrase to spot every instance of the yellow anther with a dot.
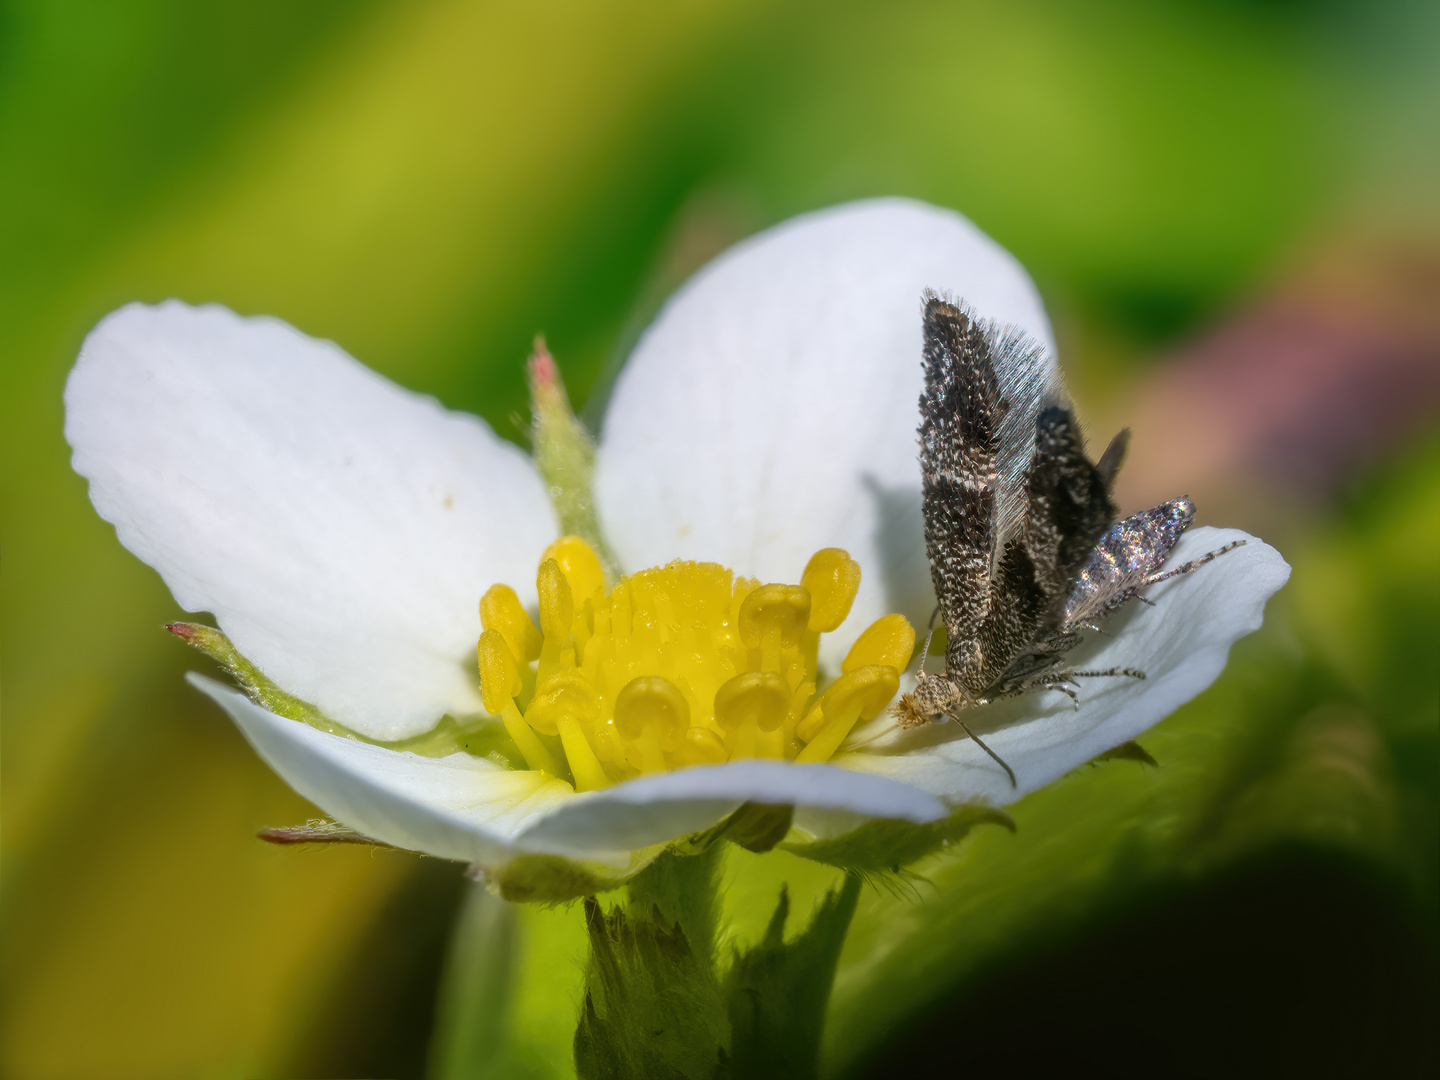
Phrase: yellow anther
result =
(858, 694)
(652, 702)
(499, 683)
(832, 579)
(868, 688)
(566, 705)
(564, 694)
(651, 715)
(748, 705)
(557, 604)
(500, 610)
(889, 640)
(774, 608)
(757, 698)
(499, 677)
(814, 720)
(580, 565)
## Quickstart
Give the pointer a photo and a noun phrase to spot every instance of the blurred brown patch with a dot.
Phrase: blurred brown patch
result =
(1278, 407)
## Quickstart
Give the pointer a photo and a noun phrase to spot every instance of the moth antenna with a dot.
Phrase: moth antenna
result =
(857, 745)
(998, 759)
(1145, 599)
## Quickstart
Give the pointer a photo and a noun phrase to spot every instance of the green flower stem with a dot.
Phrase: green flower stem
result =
(475, 991)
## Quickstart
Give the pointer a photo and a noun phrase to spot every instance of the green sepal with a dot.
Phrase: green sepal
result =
(565, 456)
(481, 738)
(653, 1005)
(1130, 751)
(756, 827)
(682, 888)
(550, 879)
(257, 687)
(776, 993)
(887, 845)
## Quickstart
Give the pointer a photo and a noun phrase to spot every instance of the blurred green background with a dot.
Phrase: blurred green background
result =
(1231, 210)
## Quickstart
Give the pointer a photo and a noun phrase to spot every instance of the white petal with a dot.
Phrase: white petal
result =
(468, 808)
(456, 807)
(652, 809)
(340, 528)
(771, 409)
(1181, 644)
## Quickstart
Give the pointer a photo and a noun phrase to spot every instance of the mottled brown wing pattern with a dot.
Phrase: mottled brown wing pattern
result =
(1019, 522)
(1069, 501)
(960, 412)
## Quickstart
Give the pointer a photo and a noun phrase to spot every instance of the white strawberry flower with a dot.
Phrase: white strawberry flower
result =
(343, 531)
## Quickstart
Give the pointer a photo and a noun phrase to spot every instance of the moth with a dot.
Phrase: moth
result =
(1020, 524)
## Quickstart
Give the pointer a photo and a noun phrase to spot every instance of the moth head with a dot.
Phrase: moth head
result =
(933, 699)
(1179, 513)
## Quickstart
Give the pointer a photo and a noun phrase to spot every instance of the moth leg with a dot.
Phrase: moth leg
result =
(929, 633)
(998, 759)
(1125, 672)
(1189, 567)
(1038, 684)
(1065, 688)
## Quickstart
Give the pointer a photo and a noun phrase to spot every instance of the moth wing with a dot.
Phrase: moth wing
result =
(1029, 380)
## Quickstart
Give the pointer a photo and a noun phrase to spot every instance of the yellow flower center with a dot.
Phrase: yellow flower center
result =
(682, 664)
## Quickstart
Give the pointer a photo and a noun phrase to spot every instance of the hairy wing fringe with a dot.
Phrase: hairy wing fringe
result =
(1030, 380)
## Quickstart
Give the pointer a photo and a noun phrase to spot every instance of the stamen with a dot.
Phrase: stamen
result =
(580, 565)
(749, 706)
(499, 683)
(772, 618)
(557, 604)
(653, 715)
(832, 579)
(500, 611)
(889, 640)
(678, 665)
(566, 705)
(557, 618)
(859, 694)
